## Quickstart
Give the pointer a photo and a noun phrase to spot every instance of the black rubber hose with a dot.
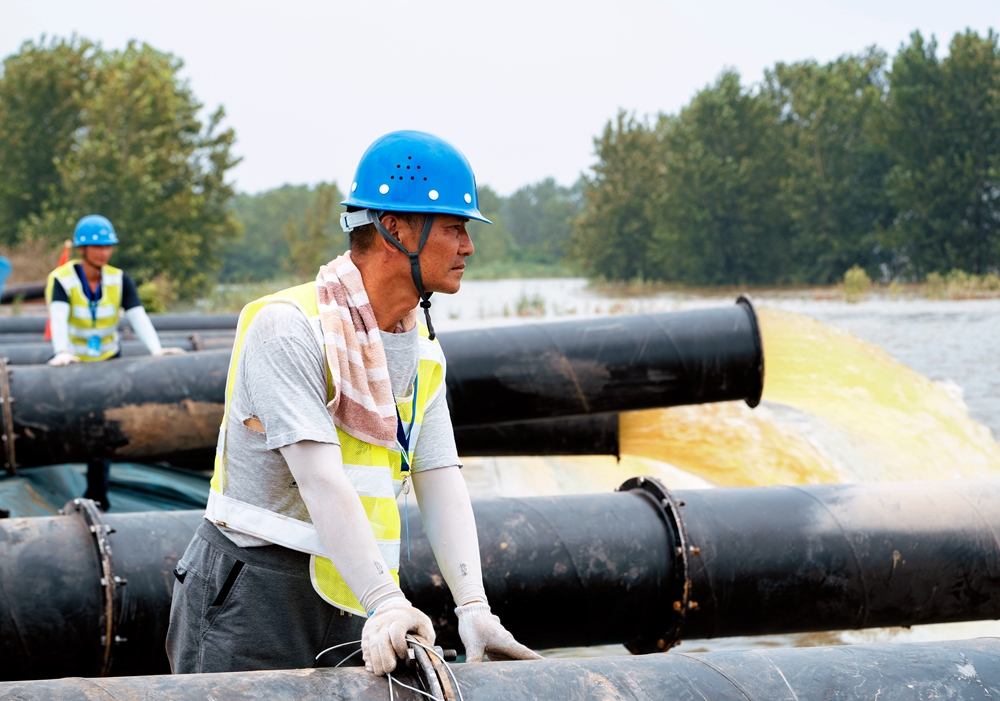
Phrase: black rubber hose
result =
(52, 600)
(161, 322)
(154, 408)
(539, 371)
(25, 291)
(36, 353)
(960, 671)
(616, 568)
(574, 570)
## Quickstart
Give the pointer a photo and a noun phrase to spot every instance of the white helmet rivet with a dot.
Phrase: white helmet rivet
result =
(433, 194)
(354, 187)
(383, 188)
(468, 198)
(94, 237)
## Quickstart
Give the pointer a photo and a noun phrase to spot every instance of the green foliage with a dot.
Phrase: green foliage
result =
(935, 285)
(126, 142)
(43, 91)
(832, 194)
(261, 252)
(856, 283)
(311, 245)
(718, 216)
(152, 300)
(817, 170)
(613, 237)
(944, 136)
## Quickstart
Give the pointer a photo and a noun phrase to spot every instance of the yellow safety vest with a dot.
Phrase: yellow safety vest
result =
(374, 471)
(82, 324)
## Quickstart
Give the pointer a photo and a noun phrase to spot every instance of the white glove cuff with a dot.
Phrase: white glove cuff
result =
(472, 609)
(393, 602)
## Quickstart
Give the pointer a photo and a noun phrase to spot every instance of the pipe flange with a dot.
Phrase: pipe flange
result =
(670, 510)
(7, 435)
(99, 530)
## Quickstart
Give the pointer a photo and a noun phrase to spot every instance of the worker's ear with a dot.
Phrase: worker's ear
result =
(391, 224)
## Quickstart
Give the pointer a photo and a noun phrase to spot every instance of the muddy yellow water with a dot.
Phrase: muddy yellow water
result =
(835, 409)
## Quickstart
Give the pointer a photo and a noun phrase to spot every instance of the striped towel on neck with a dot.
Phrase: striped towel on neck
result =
(362, 405)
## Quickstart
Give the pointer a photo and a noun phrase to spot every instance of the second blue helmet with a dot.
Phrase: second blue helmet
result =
(412, 171)
(94, 230)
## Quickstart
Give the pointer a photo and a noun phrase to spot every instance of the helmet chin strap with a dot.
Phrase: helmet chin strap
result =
(418, 282)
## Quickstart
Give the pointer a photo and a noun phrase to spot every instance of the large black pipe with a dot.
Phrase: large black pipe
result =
(591, 569)
(149, 408)
(590, 434)
(538, 371)
(35, 324)
(39, 352)
(54, 600)
(960, 671)
(25, 291)
(645, 567)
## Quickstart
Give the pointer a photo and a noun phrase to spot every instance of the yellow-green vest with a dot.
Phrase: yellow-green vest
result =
(81, 323)
(374, 471)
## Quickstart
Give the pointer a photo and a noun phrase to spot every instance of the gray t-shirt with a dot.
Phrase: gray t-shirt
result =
(281, 382)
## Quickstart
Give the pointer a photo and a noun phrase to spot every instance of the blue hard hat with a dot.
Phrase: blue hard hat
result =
(411, 171)
(94, 230)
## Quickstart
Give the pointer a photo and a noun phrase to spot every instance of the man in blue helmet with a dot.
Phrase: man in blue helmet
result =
(84, 297)
(336, 404)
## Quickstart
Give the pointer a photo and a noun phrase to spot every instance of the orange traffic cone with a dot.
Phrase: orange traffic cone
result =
(63, 259)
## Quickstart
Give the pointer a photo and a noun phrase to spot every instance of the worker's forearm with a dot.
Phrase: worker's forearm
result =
(59, 326)
(450, 524)
(143, 328)
(340, 520)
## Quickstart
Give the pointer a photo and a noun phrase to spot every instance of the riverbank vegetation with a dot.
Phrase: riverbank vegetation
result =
(869, 167)
(889, 165)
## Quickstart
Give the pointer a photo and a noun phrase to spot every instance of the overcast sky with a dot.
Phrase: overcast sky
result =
(521, 87)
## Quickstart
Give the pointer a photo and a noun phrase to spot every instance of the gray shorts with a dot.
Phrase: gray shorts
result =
(239, 609)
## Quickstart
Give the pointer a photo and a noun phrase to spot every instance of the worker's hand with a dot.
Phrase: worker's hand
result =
(383, 639)
(169, 351)
(482, 632)
(63, 358)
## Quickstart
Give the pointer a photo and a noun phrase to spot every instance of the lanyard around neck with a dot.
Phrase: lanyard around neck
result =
(404, 437)
(93, 298)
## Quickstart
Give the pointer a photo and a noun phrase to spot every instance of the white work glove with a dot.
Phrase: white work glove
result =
(482, 632)
(383, 639)
(168, 351)
(63, 358)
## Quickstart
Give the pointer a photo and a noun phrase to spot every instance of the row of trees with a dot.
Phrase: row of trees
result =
(293, 229)
(893, 166)
(86, 130)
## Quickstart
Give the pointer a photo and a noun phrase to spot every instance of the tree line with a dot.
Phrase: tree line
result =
(893, 166)
(84, 129)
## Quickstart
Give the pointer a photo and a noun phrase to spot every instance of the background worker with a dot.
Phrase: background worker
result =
(335, 404)
(84, 297)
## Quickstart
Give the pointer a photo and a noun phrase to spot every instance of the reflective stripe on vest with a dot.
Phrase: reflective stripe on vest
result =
(81, 324)
(374, 471)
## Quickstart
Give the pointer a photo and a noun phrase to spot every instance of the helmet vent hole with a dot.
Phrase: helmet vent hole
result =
(418, 167)
(412, 178)
(409, 158)
(425, 179)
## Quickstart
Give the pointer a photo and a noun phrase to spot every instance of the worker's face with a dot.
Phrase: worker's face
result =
(442, 262)
(97, 256)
